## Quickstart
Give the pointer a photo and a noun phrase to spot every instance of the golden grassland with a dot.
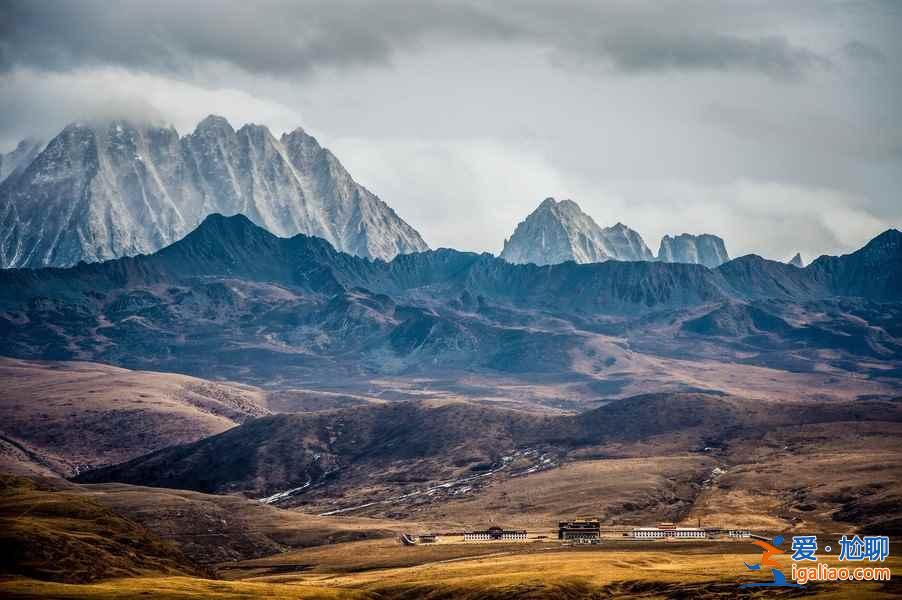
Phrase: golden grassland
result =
(84, 533)
(63, 544)
(532, 571)
(220, 528)
(166, 588)
(64, 536)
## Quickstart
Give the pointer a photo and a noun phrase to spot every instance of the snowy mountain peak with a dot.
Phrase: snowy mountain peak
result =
(558, 231)
(705, 249)
(104, 190)
(797, 261)
(214, 123)
(297, 131)
(626, 244)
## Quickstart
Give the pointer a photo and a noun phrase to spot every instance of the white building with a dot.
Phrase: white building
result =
(658, 533)
(496, 534)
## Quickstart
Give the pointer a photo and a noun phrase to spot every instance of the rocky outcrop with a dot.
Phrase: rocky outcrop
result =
(705, 249)
(559, 231)
(624, 243)
(105, 190)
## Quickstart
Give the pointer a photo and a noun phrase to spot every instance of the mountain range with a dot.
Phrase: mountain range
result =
(559, 231)
(103, 190)
(233, 300)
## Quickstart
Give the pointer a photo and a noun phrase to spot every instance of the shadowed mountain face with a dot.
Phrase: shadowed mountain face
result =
(233, 300)
(874, 271)
(105, 190)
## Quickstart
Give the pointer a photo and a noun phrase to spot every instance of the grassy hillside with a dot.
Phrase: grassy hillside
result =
(216, 529)
(63, 536)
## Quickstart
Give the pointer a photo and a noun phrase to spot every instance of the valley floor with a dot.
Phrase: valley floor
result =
(829, 466)
(483, 572)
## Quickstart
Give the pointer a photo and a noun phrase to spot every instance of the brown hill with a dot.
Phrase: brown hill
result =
(213, 529)
(57, 531)
(64, 417)
(284, 451)
(413, 452)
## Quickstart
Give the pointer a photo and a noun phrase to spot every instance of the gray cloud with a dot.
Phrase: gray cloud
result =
(292, 38)
(858, 50)
(277, 38)
(772, 55)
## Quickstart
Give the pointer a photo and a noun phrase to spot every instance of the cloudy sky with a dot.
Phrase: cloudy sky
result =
(777, 125)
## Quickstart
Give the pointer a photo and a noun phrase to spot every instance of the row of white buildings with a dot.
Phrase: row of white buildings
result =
(582, 531)
(496, 534)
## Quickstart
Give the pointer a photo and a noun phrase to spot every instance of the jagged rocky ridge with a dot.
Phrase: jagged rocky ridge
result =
(231, 299)
(106, 190)
(235, 247)
(559, 231)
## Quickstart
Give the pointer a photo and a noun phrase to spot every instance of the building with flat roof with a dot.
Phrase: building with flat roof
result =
(578, 529)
